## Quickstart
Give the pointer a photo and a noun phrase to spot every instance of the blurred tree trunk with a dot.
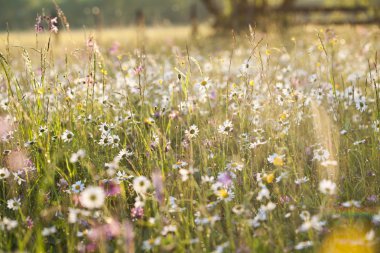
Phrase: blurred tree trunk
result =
(288, 4)
(212, 7)
(240, 13)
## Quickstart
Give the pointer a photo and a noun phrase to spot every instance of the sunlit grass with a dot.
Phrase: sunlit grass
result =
(129, 36)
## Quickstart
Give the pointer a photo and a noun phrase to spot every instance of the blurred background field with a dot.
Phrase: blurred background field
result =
(128, 37)
(20, 14)
(168, 22)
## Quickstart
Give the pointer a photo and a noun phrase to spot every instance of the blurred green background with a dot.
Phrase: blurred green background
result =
(21, 14)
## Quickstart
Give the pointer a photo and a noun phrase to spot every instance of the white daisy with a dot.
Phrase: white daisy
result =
(105, 139)
(263, 193)
(361, 104)
(92, 197)
(77, 187)
(14, 204)
(4, 173)
(351, 203)
(234, 166)
(207, 179)
(76, 156)
(8, 224)
(238, 209)
(179, 164)
(49, 231)
(327, 187)
(192, 132)
(168, 229)
(106, 128)
(67, 136)
(17, 178)
(303, 245)
(222, 192)
(321, 154)
(310, 223)
(226, 127)
(42, 130)
(124, 154)
(276, 159)
(115, 140)
(141, 184)
(376, 126)
(301, 180)
(185, 173)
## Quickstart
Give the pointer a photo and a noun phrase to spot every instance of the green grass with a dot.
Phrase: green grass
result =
(287, 95)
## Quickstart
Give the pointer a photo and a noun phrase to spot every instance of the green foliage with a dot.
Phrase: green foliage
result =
(21, 14)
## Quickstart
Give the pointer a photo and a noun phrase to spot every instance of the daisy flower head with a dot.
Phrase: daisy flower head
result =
(18, 178)
(222, 192)
(8, 224)
(149, 121)
(42, 130)
(184, 174)
(321, 154)
(124, 154)
(168, 229)
(49, 231)
(270, 206)
(105, 139)
(4, 173)
(78, 155)
(151, 243)
(192, 132)
(106, 128)
(276, 159)
(92, 197)
(269, 178)
(300, 181)
(361, 104)
(205, 83)
(77, 187)
(14, 204)
(141, 184)
(376, 126)
(263, 193)
(313, 222)
(179, 165)
(207, 179)
(6, 127)
(115, 140)
(226, 128)
(244, 68)
(351, 203)
(67, 136)
(303, 245)
(225, 194)
(238, 209)
(327, 187)
(234, 166)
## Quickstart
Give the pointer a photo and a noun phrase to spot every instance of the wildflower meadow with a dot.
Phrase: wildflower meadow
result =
(250, 141)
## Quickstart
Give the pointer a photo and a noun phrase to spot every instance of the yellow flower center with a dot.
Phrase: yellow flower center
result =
(269, 178)
(278, 161)
(223, 193)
